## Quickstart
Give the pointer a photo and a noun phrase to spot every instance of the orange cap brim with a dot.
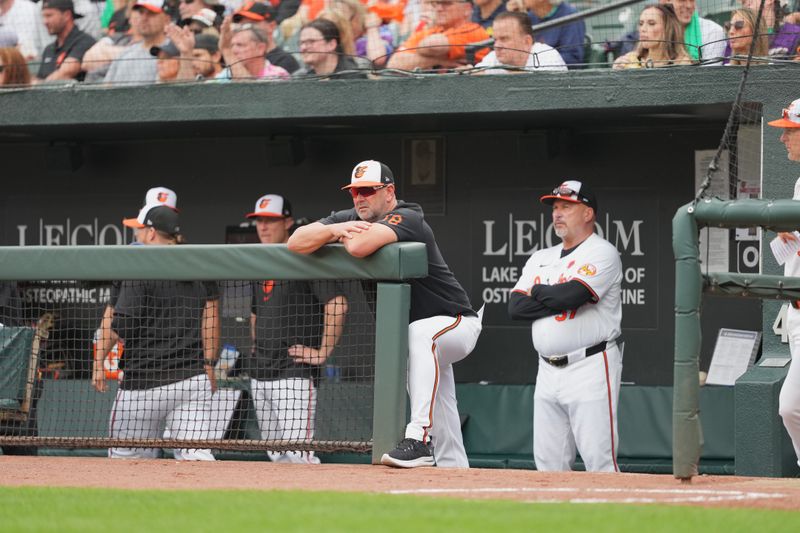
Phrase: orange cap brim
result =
(251, 16)
(151, 9)
(783, 123)
(132, 223)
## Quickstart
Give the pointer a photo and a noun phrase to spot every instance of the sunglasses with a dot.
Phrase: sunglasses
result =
(739, 25)
(563, 190)
(366, 192)
(789, 115)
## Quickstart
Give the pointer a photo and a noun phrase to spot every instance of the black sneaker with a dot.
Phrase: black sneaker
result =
(409, 453)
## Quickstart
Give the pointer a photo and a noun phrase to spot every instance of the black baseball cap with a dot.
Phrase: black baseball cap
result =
(206, 41)
(256, 12)
(168, 48)
(572, 191)
(370, 174)
(61, 5)
(160, 217)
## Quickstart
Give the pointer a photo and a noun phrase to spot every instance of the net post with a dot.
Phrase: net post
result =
(391, 361)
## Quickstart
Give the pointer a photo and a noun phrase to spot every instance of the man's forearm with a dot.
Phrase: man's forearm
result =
(335, 314)
(211, 330)
(310, 238)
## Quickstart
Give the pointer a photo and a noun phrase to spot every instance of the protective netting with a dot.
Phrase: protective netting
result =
(733, 170)
(280, 365)
(133, 42)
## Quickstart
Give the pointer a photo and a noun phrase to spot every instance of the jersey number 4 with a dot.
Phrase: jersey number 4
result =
(567, 315)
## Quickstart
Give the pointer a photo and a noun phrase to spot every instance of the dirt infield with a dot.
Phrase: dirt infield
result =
(522, 485)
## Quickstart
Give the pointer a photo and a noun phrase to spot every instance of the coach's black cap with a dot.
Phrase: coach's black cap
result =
(572, 191)
(159, 217)
(370, 174)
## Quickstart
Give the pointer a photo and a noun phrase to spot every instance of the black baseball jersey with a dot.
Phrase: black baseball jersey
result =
(161, 325)
(439, 293)
(287, 312)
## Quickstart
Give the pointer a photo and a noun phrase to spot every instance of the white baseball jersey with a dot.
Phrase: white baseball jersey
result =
(596, 264)
(792, 265)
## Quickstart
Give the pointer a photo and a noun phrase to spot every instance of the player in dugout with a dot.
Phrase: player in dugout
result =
(572, 294)
(443, 328)
(789, 401)
(295, 326)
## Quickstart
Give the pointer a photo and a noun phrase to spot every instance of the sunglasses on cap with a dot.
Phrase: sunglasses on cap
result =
(563, 190)
(366, 192)
(790, 115)
(739, 25)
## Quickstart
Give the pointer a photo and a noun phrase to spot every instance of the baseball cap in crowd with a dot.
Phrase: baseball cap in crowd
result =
(161, 196)
(159, 217)
(271, 205)
(61, 5)
(205, 16)
(790, 118)
(168, 48)
(154, 6)
(206, 41)
(255, 11)
(8, 37)
(370, 174)
(572, 191)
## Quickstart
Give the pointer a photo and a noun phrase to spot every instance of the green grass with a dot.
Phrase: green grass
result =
(86, 510)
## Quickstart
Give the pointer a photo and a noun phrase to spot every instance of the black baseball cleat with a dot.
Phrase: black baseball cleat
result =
(410, 453)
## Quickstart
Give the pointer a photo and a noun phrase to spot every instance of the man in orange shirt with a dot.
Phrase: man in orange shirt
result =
(441, 44)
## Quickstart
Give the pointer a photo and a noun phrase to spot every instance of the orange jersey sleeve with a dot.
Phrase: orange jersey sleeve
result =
(471, 32)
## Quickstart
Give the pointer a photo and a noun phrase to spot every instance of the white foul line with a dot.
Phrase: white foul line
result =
(677, 495)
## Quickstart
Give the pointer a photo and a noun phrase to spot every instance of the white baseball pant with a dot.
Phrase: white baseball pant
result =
(285, 409)
(789, 400)
(434, 344)
(575, 408)
(184, 407)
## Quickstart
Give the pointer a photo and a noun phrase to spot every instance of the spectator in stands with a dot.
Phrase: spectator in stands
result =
(24, 17)
(263, 16)
(784, 34)
(443, 44)
(206, 57)
(61, 59)
(659, 41)
(515, 46)
(295, 326)
(322, 53)
(374, 38)
(740, 37)
(189, 8)
(244, 49)
(347, 41)
(135, 64)
(704, 39)
(13, 69)
(8, 37)
(122, 32)
(169, 60)
(486, 11)
(569, 39)
(203, 20)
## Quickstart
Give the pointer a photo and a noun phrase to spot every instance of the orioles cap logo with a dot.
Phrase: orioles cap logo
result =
(360, 171)
(263, 203)
(587, 270)
(162, 197)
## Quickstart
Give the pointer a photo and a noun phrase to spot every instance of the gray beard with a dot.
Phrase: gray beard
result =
(560, 233)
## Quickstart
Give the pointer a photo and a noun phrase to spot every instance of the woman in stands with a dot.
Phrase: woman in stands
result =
(13, 69)
(321, 50)
(741, 34)
(660, 41)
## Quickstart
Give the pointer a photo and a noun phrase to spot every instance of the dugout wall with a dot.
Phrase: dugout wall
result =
(500, 141)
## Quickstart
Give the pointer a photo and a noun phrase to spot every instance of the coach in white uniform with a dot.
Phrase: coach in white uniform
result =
(572, 293)
(789, 401)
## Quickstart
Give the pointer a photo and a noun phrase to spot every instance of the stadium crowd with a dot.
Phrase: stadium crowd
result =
(118, 42)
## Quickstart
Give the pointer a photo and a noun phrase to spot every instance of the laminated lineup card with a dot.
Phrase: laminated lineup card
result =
(784, 250)
(734, 353)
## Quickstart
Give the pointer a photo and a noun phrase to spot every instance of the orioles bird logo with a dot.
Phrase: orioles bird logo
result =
(587, 270)
(267, 288)
(359, 173)
(263, 203)
(162, 197)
